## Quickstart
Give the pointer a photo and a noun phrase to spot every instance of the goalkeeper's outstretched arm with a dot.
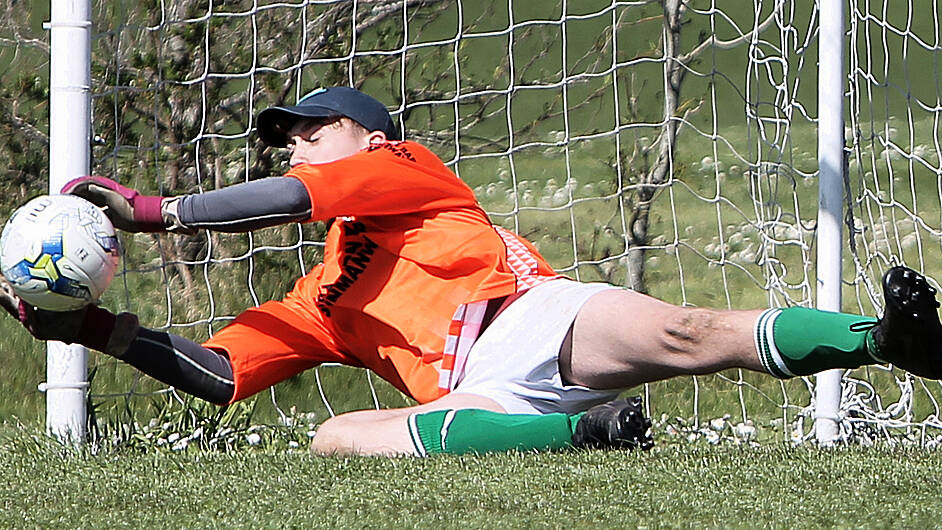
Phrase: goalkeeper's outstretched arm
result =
(171, 359)
(238, 208)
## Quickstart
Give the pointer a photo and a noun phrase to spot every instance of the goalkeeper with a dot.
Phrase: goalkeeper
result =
(465, 317)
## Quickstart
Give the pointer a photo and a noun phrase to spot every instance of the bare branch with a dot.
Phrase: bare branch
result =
(714, 42)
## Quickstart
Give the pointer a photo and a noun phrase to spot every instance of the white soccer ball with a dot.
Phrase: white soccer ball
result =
(59, 252)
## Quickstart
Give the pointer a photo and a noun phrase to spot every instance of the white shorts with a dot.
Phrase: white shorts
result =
(515, 361)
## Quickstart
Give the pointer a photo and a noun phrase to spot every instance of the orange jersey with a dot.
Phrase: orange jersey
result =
(408, 247)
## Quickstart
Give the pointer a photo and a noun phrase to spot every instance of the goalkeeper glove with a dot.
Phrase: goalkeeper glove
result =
(128, 209)
(90, 326)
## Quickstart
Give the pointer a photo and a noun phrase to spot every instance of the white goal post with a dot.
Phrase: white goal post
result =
(709, 154)
(70, 33)
(830, 200)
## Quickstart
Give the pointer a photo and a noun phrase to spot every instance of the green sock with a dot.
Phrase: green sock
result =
(483, 431)
(800, 341)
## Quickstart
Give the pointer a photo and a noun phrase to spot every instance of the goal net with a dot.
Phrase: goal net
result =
(668, 149)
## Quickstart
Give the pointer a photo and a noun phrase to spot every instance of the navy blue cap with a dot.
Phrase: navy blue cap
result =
(274, 122)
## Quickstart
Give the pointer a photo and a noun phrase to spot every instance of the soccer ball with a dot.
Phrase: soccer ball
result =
(59, 252)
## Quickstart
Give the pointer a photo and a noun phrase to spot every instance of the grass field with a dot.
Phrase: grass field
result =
(671, 486)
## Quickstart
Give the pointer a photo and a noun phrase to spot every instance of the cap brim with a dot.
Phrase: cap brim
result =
(274, 122)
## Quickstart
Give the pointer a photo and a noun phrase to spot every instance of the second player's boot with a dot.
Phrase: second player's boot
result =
(619, 424)
(909, 335)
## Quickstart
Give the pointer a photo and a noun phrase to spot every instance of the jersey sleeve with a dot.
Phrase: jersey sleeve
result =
(385, 179)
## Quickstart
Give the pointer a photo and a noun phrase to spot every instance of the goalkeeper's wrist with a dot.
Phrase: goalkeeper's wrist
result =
(148, 213)
(159, 214)
(170, 216)
(106, 332)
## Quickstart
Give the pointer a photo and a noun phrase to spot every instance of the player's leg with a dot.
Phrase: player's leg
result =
(467, 423)
(622, 339)
(386, 431)
(508, 395)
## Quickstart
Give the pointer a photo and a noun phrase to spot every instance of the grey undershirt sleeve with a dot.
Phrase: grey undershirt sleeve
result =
(245, 207)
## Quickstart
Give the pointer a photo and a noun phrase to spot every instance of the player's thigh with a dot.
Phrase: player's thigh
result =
(622, 339)
(385, 432)
(615, 339)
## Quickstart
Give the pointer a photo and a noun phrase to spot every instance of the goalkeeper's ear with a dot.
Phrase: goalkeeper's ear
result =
(376, 138)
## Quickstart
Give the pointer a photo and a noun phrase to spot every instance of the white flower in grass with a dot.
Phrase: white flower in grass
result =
(745, 431)
(706, 164)
(311, 433)
(890, 154)
(718, 424)
(527, 198)
(923, 151)
(173, 437)
(796, 437)
(909, 240)
(712, 437)
(181, 445)
(561, 197)
(253, 438)
(293, 444)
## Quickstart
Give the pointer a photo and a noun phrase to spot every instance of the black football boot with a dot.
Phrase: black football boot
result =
(619, 424)
(909, 335)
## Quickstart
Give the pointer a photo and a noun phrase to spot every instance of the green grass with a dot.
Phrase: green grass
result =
(671, 486)
(704, 204)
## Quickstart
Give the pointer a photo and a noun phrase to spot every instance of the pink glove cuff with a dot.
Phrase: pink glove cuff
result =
(147, 213)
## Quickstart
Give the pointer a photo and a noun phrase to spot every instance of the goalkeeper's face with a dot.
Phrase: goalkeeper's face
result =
(319, 142)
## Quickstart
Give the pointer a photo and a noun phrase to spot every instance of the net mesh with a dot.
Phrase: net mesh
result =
(665, 147)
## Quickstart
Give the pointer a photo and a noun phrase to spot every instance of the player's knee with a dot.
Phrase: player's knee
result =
(687, 329)
(334, 436)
